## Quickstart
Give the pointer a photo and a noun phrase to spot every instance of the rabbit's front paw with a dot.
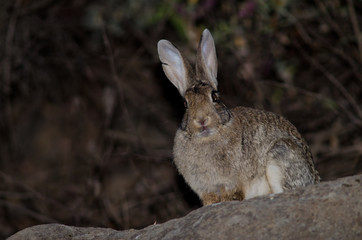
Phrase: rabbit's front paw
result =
(210, 198)
(222, 196)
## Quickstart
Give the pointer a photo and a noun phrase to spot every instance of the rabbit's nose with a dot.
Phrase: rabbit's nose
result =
(202, 122)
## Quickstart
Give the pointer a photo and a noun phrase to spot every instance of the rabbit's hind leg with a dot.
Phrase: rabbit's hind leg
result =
(280, 155)
(274, 176)
(287, 166)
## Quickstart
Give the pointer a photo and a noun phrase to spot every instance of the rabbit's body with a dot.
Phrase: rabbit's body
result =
(255, 158)
(231, 154)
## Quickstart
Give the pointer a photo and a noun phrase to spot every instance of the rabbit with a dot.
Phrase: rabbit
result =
(230, 154)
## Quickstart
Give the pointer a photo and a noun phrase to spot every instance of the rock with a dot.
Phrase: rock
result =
(329, 210)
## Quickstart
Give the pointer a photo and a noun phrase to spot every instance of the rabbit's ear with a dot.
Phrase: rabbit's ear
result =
(174, 65)
(206, 59)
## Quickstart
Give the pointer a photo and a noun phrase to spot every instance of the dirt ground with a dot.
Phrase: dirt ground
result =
(87, 116)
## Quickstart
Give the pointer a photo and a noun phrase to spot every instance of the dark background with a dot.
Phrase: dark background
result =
(88, 117)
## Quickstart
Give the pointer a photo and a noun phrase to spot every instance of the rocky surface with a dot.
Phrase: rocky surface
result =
(329, 210)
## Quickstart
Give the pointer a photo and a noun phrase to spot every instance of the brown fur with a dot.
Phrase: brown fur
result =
(231, 154)
(222, 196)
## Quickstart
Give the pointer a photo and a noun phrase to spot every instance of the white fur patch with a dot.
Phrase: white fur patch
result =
(257, 187)
(275, 177)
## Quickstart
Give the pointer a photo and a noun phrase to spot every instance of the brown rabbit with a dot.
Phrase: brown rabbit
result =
(230, 154)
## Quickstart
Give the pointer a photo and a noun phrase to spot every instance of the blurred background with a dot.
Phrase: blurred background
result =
(87, 116)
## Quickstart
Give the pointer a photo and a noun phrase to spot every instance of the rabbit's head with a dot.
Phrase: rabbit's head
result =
(205, 113)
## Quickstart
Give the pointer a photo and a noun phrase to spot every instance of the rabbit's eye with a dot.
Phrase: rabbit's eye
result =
(215, 96)
(185, 103)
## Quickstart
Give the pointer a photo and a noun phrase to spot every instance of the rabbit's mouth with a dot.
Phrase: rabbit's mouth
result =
(205, 131)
